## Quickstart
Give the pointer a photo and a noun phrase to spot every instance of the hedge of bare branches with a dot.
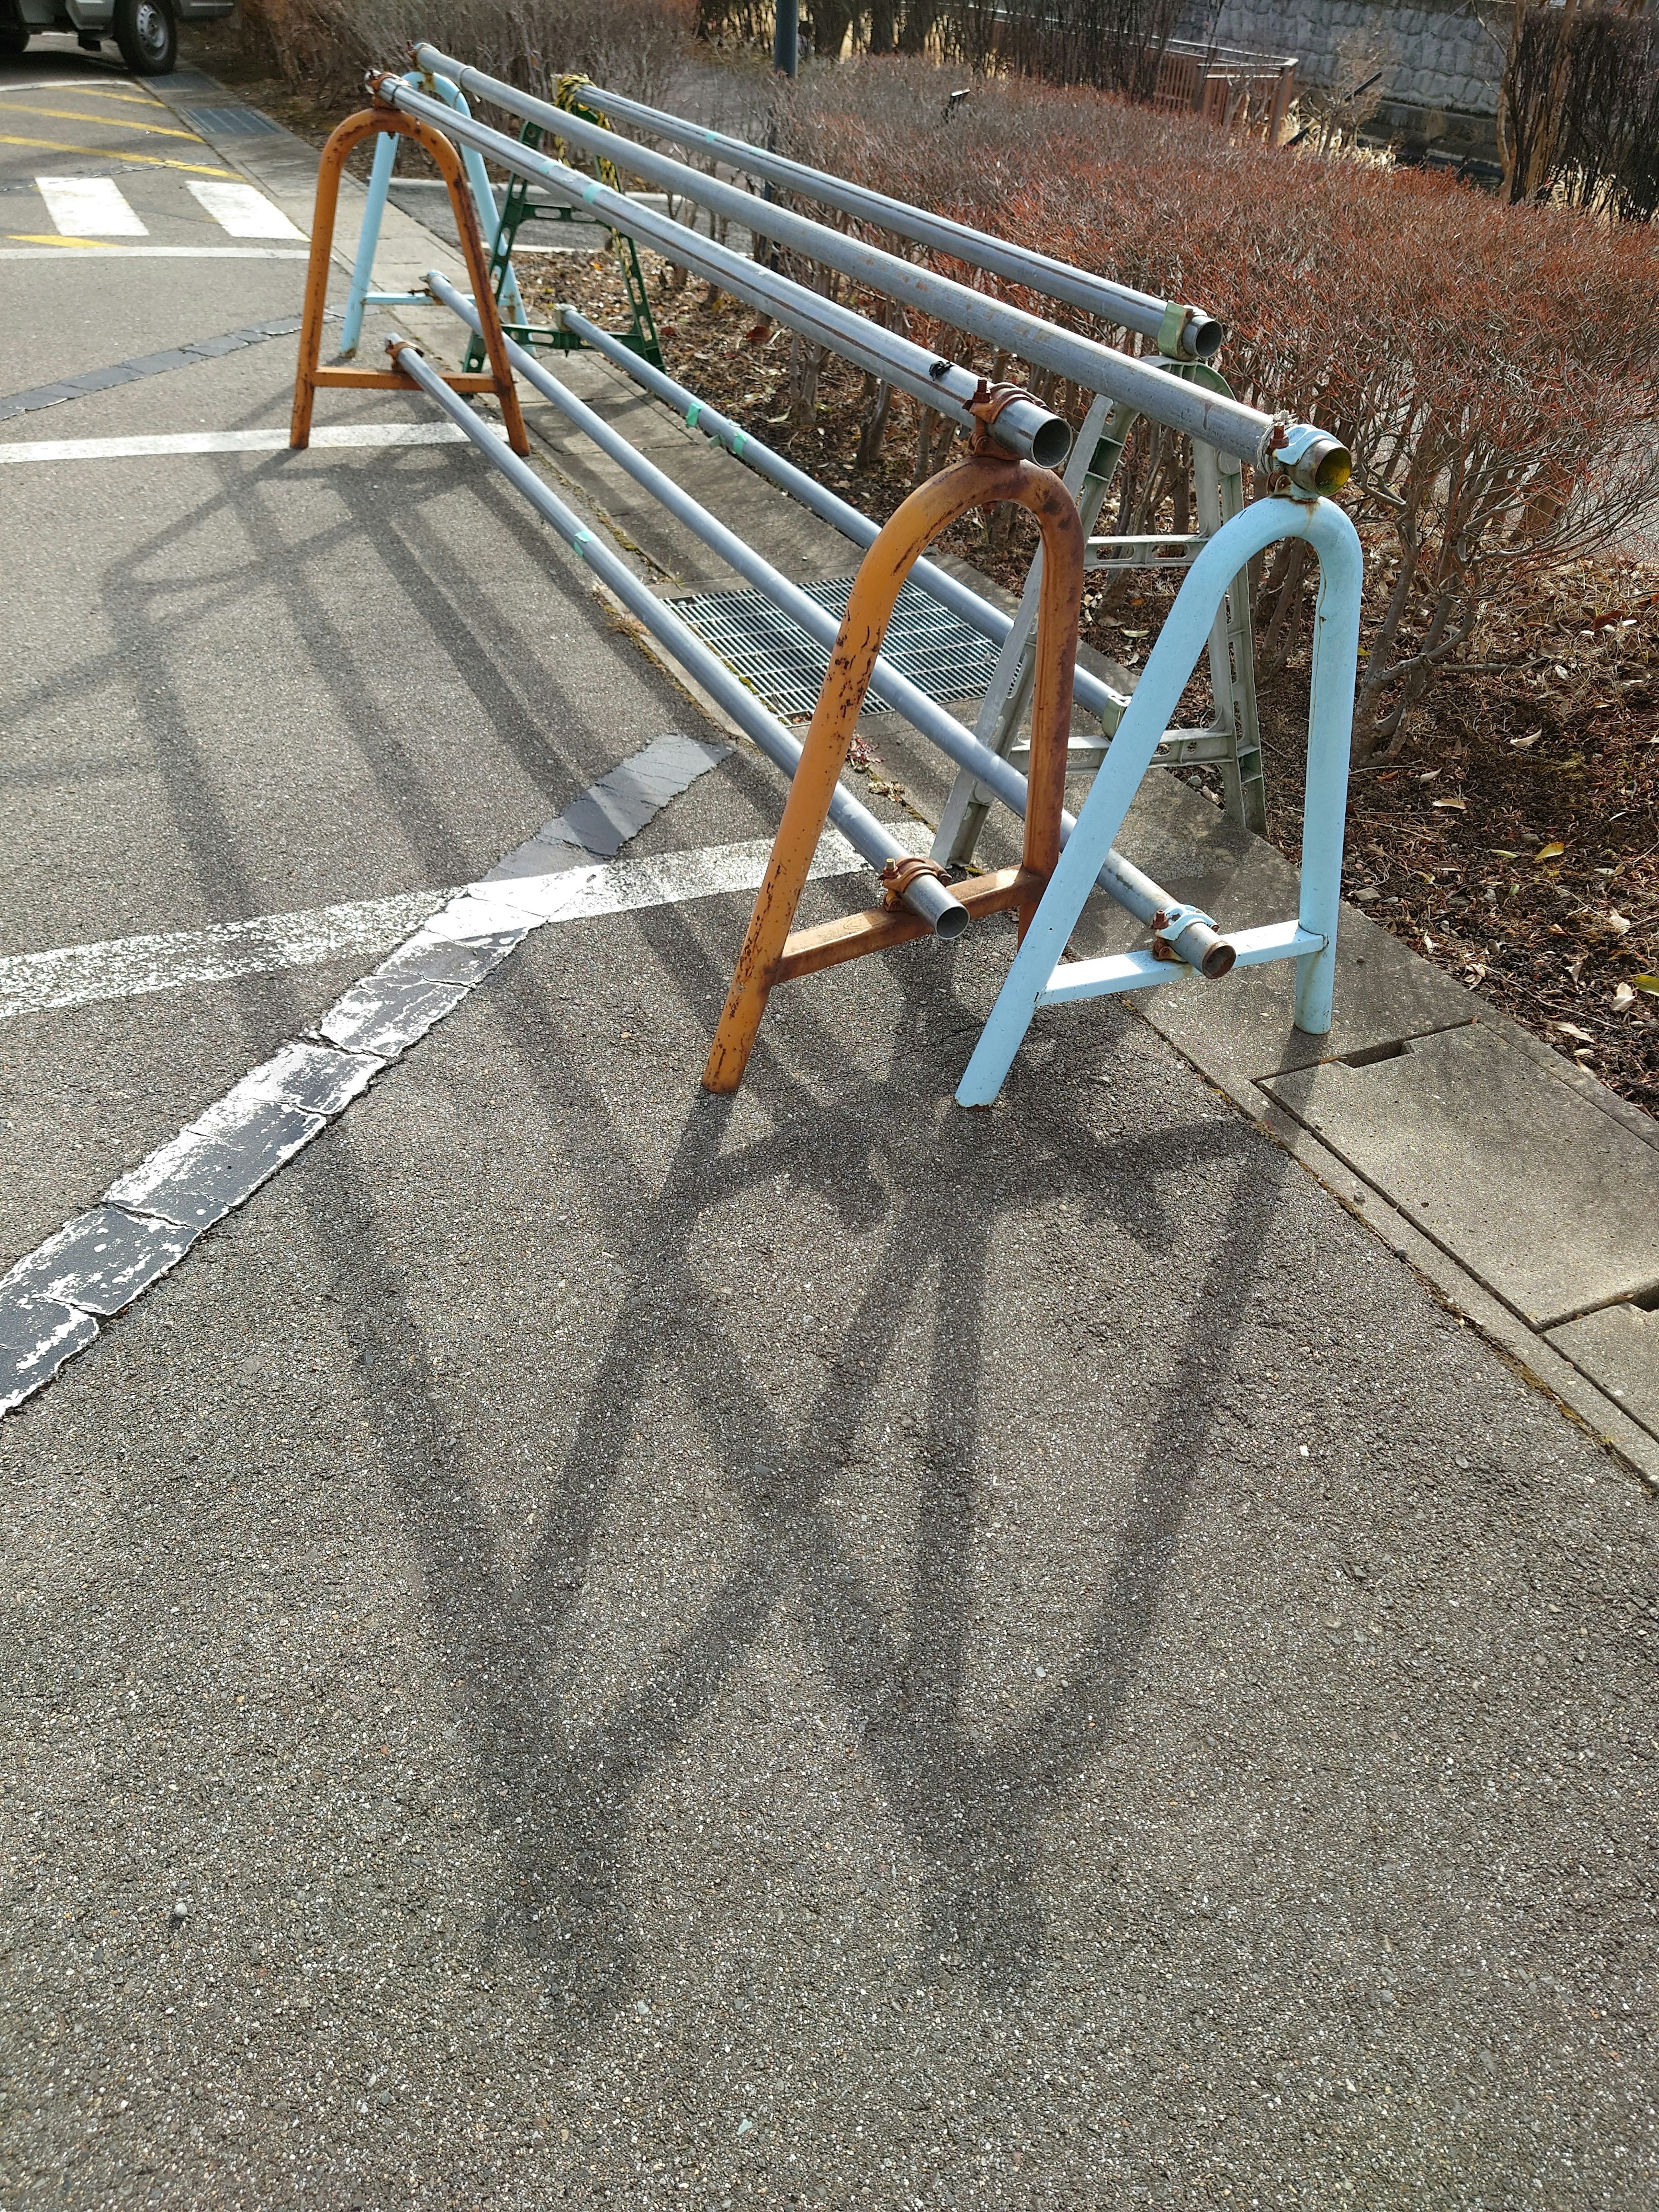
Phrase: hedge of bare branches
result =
(635, 45)
(1579, 111)
(1495, 369)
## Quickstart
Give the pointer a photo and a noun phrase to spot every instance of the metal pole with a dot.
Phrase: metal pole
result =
(785, 38)
(1025, 428)
(1200, 944)
(770, 952)
(967, 604)
(361, 295)
(368, 237)
(1187, 334)
(1322, 464)
(870, 838)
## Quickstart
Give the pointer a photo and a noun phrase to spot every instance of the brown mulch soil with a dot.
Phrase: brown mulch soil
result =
(1514, 839)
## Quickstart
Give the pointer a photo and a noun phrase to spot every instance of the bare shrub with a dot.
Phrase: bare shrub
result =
(1495, 369)
(1578, 116)
(1332, 115)
(633, 45)
(1118, 44)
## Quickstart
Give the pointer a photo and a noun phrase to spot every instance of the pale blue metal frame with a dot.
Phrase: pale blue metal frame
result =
(368, 238)
(1036, 977)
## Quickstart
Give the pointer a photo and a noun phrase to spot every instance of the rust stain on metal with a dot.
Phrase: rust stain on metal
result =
(769, 955)
(897, 877)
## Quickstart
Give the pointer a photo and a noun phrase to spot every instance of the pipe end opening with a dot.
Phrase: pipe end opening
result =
(1204, 337)
(1052, 444)
(952, 923)
(1218, 960)
(1335, 469)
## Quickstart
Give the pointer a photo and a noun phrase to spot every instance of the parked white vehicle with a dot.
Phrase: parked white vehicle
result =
(146, 31)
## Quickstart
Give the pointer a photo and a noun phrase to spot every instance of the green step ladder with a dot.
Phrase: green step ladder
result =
(520, 207)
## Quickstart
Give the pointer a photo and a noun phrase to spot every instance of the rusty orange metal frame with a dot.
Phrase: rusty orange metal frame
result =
(770, 955)
(310, 374)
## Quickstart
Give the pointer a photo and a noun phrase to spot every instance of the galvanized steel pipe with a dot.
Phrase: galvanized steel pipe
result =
(1321, 462)
(870, 838)
(1198, 943)
(1119, 879)
(1026, 428)
(1187, 334)
(967, 604)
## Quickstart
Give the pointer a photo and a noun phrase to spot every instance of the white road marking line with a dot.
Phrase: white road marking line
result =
(134, 967)
(131, 967)
(241, 210)
(90, 207)
(153, 253)
(231, 441)
(94, 1266)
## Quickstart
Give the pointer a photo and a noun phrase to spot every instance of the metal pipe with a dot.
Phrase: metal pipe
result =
(1320, 462)
(786, 39)
(770, 951)
(870, 838)
(1025, 428)
(1119, 879)
(1201, 944)
(967, 604)
(1188, 333)
(924, 713)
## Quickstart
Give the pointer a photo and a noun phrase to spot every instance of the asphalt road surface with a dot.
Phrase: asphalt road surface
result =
(592, 1644)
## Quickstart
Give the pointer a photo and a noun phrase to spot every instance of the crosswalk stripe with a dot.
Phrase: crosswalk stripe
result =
(31, 247)
(241, 210)
(90, 206)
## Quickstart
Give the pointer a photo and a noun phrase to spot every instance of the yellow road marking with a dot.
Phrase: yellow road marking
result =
(68, 115)
(41, 238)
(109, 153)
(92, 92)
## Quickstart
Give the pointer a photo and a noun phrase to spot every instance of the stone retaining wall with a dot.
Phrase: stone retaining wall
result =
(1438, 56)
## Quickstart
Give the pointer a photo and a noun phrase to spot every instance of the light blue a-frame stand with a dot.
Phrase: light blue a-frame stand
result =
(368, 236)
(1037, 977)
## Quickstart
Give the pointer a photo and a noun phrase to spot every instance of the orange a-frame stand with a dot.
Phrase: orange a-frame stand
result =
(770, 955)
(310, 374)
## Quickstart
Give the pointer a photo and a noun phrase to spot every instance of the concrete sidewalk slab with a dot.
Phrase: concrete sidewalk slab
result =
(1552, 1205)
(1618, 1349)
(1241, 1028)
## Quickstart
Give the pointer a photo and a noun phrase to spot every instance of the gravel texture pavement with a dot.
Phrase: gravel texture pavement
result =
(596, 1645)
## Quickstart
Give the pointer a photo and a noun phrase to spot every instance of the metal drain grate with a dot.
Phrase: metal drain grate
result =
(924, 642)
(228, 121)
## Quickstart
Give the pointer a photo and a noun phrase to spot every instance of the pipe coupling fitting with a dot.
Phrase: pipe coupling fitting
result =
(1309, 463)
(988, 402)
(1189, 334)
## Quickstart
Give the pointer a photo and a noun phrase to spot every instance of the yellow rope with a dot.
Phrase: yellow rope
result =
(564, 96)
(565, 90)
